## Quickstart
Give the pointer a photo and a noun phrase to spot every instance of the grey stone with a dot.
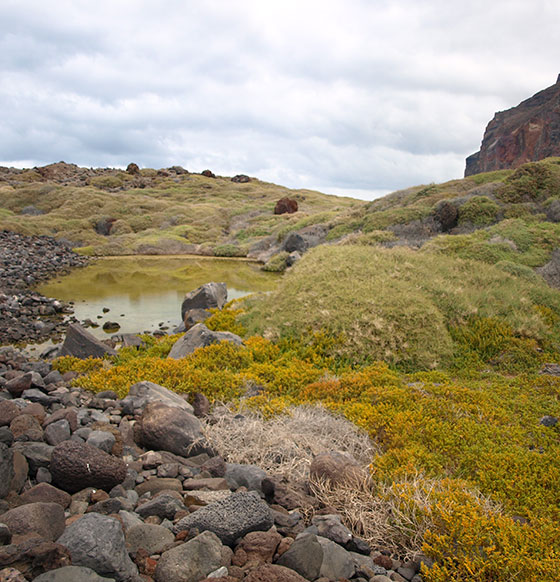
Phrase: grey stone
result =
(249, 476)
(164, 506)
(36, 395)
(191, 561)
(305, 556)
(37, 455)
(53, 377)
(6, 469)
(6, 436)
(551, 270)
(57, 432)
(200, 336)
(162, 427)
(208, 296)
(330, 527)
(72, 574)
(231, 518)
(194, 316)
(82, 344)
(102, 440)
(19, 384)
(152, 538)
(548, 421)
(143, 393)
(337, 562)
(97, 542)
(129, 519)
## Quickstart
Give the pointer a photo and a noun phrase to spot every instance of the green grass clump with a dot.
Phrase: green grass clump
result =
(479, 210)
(533, 182)
(398, 305)
(278, 263)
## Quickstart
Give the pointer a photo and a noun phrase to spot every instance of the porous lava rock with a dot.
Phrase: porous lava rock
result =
(75, 465)
(286, 206)
(526, 133)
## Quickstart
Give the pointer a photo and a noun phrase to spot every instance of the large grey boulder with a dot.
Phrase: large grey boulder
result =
(6, 469)
(208, 296)
(199, 336)
(231, 518)
(75, 465)
(82, 344)
(143, 393)
(72, 574)
(331, 527)
(164, 428)
(305, 556)
(97, 542)
(191, 561)
(551, 270)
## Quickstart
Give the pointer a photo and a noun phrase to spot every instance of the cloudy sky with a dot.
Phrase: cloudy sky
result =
(343, 96)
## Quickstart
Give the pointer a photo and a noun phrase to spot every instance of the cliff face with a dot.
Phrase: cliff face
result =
(526, 133)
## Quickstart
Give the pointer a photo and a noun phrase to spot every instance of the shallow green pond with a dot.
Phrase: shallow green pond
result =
(143, 292)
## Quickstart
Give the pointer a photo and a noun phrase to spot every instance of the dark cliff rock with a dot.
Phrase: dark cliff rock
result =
(526, 133)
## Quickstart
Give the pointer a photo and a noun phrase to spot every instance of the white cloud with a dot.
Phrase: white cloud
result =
(357, 96)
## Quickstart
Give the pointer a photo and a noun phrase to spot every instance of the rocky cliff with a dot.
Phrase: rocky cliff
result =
(526, 133)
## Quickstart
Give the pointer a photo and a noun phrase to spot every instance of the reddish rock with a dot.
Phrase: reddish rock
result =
(68, 414)
(11, 575)
(8, 411)
(133, 169)
(208, 174)
(35, 409)
(75, 466)
(32, 558)
(46, 520)
(241, 179)
(286, 206)
(256, 548)
(526, 133)
(19, 384)
(48, 494)
(26, 427)
(273, 573)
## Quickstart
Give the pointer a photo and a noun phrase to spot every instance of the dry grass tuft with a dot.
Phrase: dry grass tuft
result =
(285, 444)
(394, 516)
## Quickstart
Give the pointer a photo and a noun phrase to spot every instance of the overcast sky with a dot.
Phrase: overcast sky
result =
(343, 96)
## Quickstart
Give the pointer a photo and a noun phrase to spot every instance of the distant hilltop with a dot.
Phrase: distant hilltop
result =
(526, 133)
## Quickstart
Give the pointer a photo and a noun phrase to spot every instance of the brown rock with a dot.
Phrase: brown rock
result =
(21, 469)
(256, 548)
(36, 410)
(32, 558)
(19, 384)
(336, 467)
(208, 174)
(133, 169)
(241, 179)
(26, 427)
(46, 493)
(117, 449)
(8, 411)
(75, 466)
(11, 575)
(216, 466)
(212, 484)
(201, 405)
(157, 484)
(286, 206)
(383, 561)
(283, 546)
(43, 519)
(526, 133)
(273, 573)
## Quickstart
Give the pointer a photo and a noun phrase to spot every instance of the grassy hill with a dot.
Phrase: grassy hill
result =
(157, 212)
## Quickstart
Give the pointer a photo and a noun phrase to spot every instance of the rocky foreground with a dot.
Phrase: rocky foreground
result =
(95, 488)
(26, 315)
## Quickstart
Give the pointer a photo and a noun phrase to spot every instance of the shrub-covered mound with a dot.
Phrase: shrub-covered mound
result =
(410, 309)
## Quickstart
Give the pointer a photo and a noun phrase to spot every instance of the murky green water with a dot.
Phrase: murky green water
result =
(142, 292)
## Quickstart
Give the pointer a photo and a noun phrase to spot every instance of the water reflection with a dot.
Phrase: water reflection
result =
(142, 292)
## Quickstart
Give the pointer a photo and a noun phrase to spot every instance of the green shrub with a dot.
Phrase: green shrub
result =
(531, 182)
(114, 181)
(479, 210)
(229, 250)
(278, 263)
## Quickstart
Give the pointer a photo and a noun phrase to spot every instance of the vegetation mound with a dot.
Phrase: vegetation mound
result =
(406, 307)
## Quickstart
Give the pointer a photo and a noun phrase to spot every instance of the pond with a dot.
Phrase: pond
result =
(144, 293)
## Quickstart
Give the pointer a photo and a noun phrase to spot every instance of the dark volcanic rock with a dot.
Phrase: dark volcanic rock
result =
(286, 206)
(75, 466)
(171, 429)
(43, 519)
(82, 344)
(241, 179)
(526, 133)
(97, 542)
(6, 469)
(200, 336)
(232, 518)
(207, 296)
